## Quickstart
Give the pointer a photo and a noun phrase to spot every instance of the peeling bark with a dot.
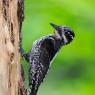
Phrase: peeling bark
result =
(11, 17)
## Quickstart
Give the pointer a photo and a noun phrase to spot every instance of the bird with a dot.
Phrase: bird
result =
(43, 52)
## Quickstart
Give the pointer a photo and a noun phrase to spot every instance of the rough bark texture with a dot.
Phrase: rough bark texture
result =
(11, 82)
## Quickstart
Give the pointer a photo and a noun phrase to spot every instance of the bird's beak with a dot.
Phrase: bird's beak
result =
(56, 27)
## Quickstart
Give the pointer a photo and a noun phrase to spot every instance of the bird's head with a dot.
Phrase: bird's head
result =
(63, 33)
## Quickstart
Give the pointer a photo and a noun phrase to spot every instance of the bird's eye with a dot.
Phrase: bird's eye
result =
(66, 33)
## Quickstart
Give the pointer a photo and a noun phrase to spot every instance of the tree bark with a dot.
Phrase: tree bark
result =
(11, 82)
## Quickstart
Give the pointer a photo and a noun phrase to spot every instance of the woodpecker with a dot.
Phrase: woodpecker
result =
(43, 52)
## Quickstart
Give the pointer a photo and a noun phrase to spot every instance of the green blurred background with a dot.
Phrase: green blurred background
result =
(73, 70)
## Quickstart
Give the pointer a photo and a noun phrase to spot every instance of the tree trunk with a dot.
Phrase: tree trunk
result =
(10, 24)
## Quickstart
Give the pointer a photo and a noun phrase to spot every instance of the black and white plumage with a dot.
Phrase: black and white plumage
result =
(42, 53)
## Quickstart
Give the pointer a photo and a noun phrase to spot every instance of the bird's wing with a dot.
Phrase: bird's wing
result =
(38, 68)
